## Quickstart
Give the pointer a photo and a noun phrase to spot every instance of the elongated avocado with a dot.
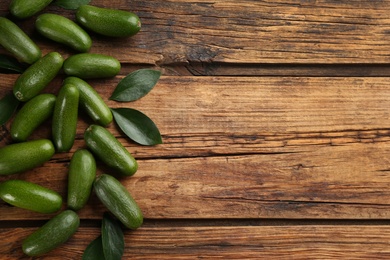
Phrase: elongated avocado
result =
(91, 65)
(36, 77)
(91, 101)
(17, 42)
(63, 30)
(30, 196)
(26, 8)
(108, 22)
(19, 157)
(52, 234)
(31, 115)
(108, 149)
(118, 201)
(65, 114)
(82, 173)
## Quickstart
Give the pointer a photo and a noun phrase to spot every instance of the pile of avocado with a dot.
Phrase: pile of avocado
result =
(75, 93)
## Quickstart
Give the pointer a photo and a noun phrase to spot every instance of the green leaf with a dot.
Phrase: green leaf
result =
(9, 64)
(8, 106)
(136, 85)
(137, 126)
(94, 250)
(71, 4)
(112, 238)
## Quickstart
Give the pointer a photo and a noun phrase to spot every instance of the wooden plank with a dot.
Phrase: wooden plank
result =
(280, 105)
(318, 182)
(185, 31)
(257, 242)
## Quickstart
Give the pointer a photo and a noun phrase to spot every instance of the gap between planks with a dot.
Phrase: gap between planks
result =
(205, 69)
(277, 69)
(164, 223)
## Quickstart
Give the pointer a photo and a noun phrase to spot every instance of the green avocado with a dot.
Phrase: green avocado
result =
(65, 114)
(36, 77)
(109, 150)
(20, 157)
(118, 201)
(108, 22)
(30, 196)
(91, 65)
(31, 115)
(26, 8)
(63, 30)
(91, 101)
(17, 42)
(82, 173)
(52, 234)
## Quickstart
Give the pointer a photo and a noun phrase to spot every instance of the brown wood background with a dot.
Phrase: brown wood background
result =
(275, 122)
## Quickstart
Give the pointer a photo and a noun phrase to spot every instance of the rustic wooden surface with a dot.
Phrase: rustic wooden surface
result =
(275, 122)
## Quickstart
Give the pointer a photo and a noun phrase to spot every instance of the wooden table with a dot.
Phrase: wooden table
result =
(275, 122)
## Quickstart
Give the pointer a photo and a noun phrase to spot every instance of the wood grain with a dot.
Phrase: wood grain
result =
(275, 121)
(257, 242)
(229, 105)
(293, 31)
(320, 183)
